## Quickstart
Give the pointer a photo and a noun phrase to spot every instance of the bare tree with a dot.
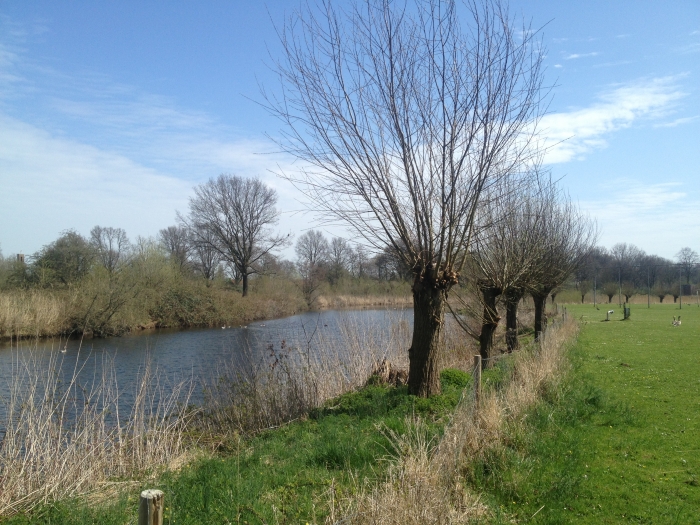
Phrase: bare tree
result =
(688, 259)
(176, 241)
(204, 255)
(610, 288)
(233, 214)
(312, 248)
(339, 259)
(507, 256)
(584, 287)
(312, 255)
(111, 245)
(570, 237)
(403, 119)
(358, 262)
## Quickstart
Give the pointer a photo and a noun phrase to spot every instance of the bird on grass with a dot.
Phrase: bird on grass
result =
(676, 322)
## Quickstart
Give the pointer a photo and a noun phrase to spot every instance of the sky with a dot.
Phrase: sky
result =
(112, 112)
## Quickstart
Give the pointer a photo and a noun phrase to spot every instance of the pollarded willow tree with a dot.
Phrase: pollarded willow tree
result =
(402, 118)
(570, 236)
(504, 256)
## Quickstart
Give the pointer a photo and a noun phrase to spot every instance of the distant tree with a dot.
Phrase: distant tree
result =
(688, 259)
(111, 246)
(66, 260)
(177, 241)
(236, 213)
(204, 256)
(628, 259)
(312, 251)
(660, 291)
(628, 290)
(312, 248)
(584, 287)
(610, 288)
(359, 262)
(339, 259)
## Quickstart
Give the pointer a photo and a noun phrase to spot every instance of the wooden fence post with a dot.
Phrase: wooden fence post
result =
(477, 380)
(151, 507)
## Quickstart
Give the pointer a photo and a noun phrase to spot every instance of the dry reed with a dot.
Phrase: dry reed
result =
(297, 378)
(31, 313)
(63, 438)
(425, 483)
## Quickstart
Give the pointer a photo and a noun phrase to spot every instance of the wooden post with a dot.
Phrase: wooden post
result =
(151, 507)
(477, 380)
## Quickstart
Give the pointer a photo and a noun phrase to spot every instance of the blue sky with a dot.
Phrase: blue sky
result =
(110, 112)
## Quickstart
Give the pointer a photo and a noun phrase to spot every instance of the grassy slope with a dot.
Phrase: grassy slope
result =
(621, 442)
(287, 475)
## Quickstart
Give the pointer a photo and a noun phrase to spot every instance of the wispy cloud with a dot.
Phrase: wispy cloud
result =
(95, 151)
(677, 122)
(659, 218)
(572, 134)
(574, 56)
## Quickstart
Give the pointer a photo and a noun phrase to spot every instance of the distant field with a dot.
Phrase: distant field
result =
(621, 443)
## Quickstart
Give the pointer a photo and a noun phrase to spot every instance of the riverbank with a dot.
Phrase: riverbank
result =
(372, 455)
(115, 309)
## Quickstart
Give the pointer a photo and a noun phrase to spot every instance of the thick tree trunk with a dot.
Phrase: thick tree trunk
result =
(428, 321)
(244, 281)
(489, 323)
(540, 317)
(512, 301)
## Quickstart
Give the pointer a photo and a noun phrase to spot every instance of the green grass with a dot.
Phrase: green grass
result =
(285, 475)
(619, 442)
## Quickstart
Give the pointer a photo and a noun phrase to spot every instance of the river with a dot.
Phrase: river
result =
(199, 355)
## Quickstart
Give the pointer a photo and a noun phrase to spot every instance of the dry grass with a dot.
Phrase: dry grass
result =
(295, 379)
(31, 314)
(357, 301)
(66, 438)
(425, 484)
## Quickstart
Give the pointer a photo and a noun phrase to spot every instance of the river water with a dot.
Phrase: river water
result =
(196, 354)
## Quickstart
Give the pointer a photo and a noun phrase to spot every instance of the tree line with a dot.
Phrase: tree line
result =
(627, 270)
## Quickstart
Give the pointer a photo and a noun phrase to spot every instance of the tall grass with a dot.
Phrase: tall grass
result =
(64, 437)
(294, 379)
(32, 313)
(428, 482)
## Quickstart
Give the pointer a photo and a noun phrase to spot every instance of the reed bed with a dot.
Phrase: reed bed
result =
(32, 313)
(62, 437)
(294, 379)
(427, 482)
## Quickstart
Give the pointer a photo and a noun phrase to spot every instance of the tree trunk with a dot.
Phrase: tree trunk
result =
(490, 322)
(540, 318)
(428, 319)
(244, 281)
(512, 301)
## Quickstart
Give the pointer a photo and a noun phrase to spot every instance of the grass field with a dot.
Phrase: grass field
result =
(620, 443)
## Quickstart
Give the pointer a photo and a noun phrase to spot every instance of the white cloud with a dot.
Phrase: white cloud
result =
(51, 184)
(580, 55)
(677, 122)
(570, 135)
(659, 218)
